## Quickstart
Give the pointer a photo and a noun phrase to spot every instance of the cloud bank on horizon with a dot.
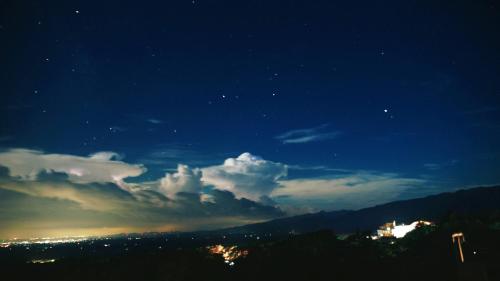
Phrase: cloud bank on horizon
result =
(99, 191)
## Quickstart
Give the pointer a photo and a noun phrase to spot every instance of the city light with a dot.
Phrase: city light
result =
(229, 253)
(42, 261)
(391, 229)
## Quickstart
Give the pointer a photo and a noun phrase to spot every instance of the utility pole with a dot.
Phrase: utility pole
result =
(459, 237)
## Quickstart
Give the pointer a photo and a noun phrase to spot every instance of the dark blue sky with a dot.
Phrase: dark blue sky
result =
(407, 88)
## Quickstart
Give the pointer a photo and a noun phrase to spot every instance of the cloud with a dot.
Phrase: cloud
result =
(184, 180)
(246, 176)
(433, 166)
(155, 121)
(75, 195)
(225, 202)
(94, 190)
(106, 156)
(171, 154)
(101, 167)
(89, 196)
(23, 215)
(442, 165)
(115, 129)
(308, 135)
(349, 191)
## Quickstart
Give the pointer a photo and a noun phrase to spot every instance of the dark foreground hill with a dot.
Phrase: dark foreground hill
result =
(427, 253)
(424, 254)
(434, 207)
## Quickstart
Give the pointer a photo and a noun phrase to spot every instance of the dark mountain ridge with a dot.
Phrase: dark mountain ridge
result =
(433, 207)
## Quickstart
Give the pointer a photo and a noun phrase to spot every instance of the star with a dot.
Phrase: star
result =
(382, 53)
(386, 110)
(77, 11)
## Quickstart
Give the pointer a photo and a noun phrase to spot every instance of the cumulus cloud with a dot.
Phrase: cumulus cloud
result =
(184, 180)
(349, 191)
(100, 167)
(246, 176)
(244, 189)
(106, 156)
(96, 187)
(308, 135)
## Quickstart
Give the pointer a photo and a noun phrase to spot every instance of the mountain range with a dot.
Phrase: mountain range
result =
(434, 207)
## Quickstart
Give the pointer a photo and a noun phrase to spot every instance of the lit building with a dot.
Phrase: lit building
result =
(391, 229)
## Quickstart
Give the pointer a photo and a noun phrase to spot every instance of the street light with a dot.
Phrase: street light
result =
(459, 237)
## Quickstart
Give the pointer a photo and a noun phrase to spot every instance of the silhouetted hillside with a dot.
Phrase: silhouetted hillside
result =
(424, 254)
(434, 207)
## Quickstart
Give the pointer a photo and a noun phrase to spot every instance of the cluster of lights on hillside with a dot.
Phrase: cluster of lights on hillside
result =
(391, 229)
(42, 261)
(43, 240)
(229, 253)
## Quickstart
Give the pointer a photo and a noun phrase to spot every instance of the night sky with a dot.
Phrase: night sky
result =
(119, 116)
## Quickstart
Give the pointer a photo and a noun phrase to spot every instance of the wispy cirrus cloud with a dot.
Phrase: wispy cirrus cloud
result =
(169, 155)
(441, 165)
(354, 190)
(155, 121)
(306, 135)
(116, 129)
